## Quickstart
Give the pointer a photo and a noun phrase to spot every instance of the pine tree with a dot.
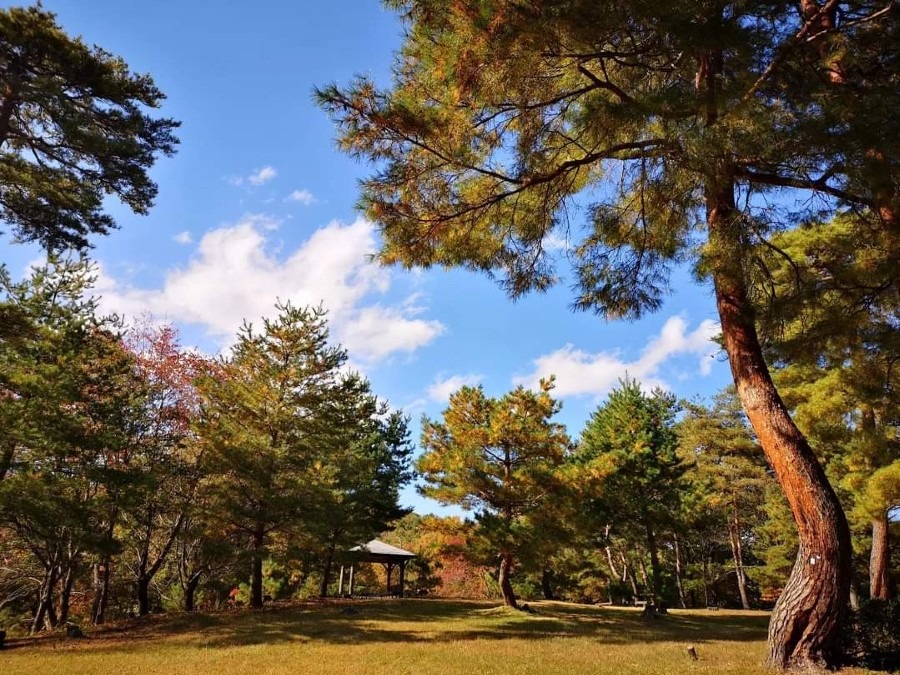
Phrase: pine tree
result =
(500, 458)
(668, 121)
(73, 130)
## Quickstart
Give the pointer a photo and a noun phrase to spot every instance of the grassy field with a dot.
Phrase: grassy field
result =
(407, 636)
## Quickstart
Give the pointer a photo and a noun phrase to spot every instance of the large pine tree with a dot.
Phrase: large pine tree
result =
(669, 120)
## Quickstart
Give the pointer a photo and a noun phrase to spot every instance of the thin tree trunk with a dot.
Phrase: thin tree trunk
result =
(546, 588)
(655, 571)
(65, 593)
(737, 553)
(807, 615)
(44, 617)
(326, 573)
(628, 574)
(854, 595)
(6, 459)
(509, 598)
(679, 582)
(256, 561)
(879, 588)
(189, 591)
(101, 592)
(705, 572)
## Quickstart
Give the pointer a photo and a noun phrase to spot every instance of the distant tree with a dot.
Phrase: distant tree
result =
(73, 391)
(828, 305)
(500, 458)
(726, 477)
(273, 415)
(630, 466)
(73, 130)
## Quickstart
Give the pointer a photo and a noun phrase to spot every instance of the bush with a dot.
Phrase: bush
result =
(871, 637)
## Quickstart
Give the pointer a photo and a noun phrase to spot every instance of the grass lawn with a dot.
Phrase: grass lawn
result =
(406, 636)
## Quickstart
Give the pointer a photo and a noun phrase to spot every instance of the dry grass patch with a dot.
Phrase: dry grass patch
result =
(407, 636)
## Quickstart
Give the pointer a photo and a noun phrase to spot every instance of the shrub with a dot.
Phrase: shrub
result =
(870, 637)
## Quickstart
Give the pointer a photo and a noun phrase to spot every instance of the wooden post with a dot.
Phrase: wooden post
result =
(341, 583)
(351, 580)
(402, 576)
(390, 568)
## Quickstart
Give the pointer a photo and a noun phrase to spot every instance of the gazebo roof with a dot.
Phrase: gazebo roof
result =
(378, 551)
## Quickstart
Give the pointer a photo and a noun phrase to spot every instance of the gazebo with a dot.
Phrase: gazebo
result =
(377, 552)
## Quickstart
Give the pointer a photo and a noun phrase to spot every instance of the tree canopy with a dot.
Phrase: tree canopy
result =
(75, 127)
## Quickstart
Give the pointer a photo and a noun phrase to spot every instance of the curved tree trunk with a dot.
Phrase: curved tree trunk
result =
(190, 590)
(806, 616)
(509, 598)
(879, 589)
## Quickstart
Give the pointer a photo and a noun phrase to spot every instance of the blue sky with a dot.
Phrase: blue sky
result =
(258, 205)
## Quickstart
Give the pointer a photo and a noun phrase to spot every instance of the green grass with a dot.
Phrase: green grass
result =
(406, 636)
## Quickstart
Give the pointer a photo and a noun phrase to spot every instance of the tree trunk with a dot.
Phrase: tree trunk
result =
(44, 617)
(143, 594)
(326, 573)
(679, 581)
(879, 588)
(546, 588)
(807, 615)
(854, 595)
(101, 592)
(189, 591)
(628, 574)
(65, 593)
(509, 598)
(256, 561)
(737, 553)
(705, 571)
(655, 571)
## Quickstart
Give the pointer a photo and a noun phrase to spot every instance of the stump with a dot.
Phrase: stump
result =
(692, 652)
(73, 631)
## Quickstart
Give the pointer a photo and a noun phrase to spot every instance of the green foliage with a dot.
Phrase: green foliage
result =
(73, 130)
(631, 471)
(500, 458)
(870, 637)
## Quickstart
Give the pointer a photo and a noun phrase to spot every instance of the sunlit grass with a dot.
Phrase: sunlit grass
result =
(407, 636)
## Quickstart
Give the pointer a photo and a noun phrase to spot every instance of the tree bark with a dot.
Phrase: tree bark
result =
(101, 592)
(737, 554)
(546, 588)
(509, 598)
(807, 615)
(189, 590)
(143, 594)
(65, 592)
(256, 561)
(44, 617)
(326, 573)
(679, 581)
(655, 571)
(879, 588)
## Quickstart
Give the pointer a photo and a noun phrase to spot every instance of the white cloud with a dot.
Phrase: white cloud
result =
(236, 274)
(257, 178)
(579, 373)
(305, 197)
(183, 237)
(263, 175)
(442, 387)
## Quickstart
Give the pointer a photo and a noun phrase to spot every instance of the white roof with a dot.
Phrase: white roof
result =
(380, 548)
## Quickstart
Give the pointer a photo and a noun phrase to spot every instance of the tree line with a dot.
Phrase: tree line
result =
(657, 501)
(756, 142)
(135, 472)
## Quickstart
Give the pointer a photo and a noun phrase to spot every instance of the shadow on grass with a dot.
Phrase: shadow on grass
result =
(420, 621)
